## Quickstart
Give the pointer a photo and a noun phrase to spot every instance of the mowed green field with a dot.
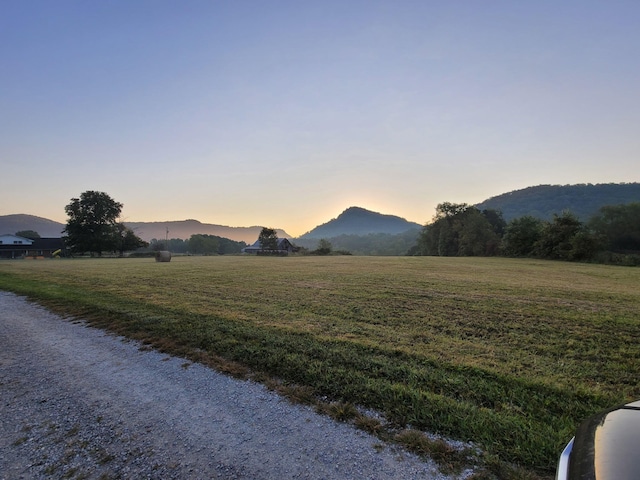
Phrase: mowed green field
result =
(510, 354)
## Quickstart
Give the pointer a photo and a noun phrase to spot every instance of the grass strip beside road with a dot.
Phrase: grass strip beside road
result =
(510, 354)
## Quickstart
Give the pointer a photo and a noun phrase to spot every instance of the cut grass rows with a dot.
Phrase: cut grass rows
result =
(509, 354)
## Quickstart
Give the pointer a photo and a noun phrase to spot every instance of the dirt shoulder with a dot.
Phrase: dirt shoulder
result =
(78, 402)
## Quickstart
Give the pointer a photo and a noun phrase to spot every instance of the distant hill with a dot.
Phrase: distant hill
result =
(146, 230)
(370, 244)
(20, 222)
(358, 221)
(543, 201)
(185, 228)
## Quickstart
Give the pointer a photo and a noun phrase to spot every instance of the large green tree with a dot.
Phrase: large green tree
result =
(203, 244)
(461, 229)
(268, 239)
(127, 240)
(93, 224)
(477, 236)
(619, 227)
(565, 238)
(521, 236)
(324, 247)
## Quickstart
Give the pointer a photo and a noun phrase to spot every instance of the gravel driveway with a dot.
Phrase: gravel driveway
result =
(76, 402)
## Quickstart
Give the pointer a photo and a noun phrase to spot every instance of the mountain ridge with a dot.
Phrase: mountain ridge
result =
(185, 228)
(360, 221)
(16, 222)
(146, 230)
(542, 201)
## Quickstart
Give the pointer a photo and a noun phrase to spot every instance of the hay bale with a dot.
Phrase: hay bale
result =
(163, 256)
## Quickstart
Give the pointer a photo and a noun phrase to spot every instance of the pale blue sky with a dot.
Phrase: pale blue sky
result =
(285, 113)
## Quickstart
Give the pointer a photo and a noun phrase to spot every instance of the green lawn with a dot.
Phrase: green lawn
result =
(511, 354)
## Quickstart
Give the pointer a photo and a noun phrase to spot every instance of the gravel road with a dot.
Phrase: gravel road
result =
(76, 402)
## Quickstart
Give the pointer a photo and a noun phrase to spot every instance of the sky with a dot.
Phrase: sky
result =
(285, 113)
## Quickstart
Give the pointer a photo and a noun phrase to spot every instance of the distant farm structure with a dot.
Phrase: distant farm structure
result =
(13, 246)
(284, 247)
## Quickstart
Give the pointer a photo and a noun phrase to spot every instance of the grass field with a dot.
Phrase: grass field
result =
(510, 354)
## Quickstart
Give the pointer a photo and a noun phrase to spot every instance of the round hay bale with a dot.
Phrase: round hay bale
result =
(163, 256)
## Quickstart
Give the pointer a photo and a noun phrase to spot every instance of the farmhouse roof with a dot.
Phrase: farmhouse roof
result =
(283, 244)
(9, 239)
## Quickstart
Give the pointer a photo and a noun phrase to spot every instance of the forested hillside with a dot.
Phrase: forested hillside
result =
(610, 236)
(370, 244)
(359, 221)
(363, 232)
(544, 201)
(20, 222)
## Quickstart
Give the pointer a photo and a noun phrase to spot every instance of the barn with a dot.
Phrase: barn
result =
(13, 246)
(285, 247)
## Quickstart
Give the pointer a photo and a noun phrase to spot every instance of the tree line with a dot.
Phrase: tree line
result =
(369, 244)
(610, 236)
(198, 244)
(93, 227)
